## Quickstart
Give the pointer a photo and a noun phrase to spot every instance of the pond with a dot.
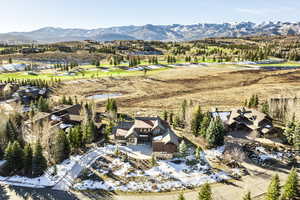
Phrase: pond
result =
(104, 96)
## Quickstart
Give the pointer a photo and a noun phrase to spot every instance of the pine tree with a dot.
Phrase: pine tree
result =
(246, 103)
(183, 109)
(28, 154)
(39, 163)
(296, 137)
(75, 138)
(182, 148)
(215, 133)
(11, 131)
(9, 159)
(181, 197)
(165, 115)
(171, 116)
(289, 131)
(198, 153)
(265, 108)
(89, 132)
(61, 149)
(117, 151)
(153, 160)
(205, 124)
(17, 156)
(247, 196)
(196, 121)
(273, 192)
(291, 187)
(205, 192)
(220, 131)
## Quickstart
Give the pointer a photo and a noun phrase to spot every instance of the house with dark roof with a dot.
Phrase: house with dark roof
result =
(147, 130)
(250, 120)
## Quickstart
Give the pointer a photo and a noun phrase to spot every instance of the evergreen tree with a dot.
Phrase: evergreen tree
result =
(247, 196)
(89, 132)
(11, 131)
(246, 103)
(39, 163)
(183, 109)
(265, 108)
(215, 133)
(165, 115)
(171, 116)
(273, 192)
(177, 122)
(205, 192)
(61, 149)
(28, 154)
(117, 151)
(289, 131)
(198, 153)
(64, 100)
(153, 160)
(296, 137)
(205, 124)
(181, 197)
(17, 156)
(9, 158)
(182, 148)
(70, 101)
(75, 137)
(196, 121)
(291, 187)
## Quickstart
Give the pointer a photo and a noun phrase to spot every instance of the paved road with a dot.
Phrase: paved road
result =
(67, 180)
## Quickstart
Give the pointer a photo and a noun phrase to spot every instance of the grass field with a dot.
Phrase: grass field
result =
(81, 75)
(286, 64)
(222, 86)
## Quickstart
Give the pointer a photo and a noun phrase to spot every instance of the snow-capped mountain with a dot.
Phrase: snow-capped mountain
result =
(175, 32)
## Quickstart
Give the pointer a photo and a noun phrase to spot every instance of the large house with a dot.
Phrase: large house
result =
(62, 117)
(147, 130)
(249, 119)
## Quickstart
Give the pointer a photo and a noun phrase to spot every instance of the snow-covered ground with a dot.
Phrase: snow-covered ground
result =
(265, 154)
(178, 173)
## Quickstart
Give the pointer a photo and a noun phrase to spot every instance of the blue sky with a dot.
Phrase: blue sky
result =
(26, 15)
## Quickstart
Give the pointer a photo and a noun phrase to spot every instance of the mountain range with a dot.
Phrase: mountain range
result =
(175, 32)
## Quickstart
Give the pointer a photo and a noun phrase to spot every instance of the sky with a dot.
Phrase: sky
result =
(28, 15)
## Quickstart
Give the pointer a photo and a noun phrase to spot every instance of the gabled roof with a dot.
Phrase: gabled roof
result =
(168, 137)
(249, 117)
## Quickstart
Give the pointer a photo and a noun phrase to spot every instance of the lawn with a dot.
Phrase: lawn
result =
(286, 64)
(80, 75)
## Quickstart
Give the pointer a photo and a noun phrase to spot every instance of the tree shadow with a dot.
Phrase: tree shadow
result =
(226, 182)
(3, 193)
(42, 194)
(99, 195)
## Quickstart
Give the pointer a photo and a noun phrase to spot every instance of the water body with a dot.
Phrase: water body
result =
(104, 96)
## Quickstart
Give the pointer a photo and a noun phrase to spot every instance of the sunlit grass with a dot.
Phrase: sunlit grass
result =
(80, 75)
(286, 64)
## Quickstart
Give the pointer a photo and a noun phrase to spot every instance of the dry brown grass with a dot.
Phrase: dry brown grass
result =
(221, 87)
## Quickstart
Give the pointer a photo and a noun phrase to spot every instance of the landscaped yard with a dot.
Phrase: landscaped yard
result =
(120, 173)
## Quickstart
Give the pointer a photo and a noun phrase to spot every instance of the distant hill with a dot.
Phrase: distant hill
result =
(175, 32)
